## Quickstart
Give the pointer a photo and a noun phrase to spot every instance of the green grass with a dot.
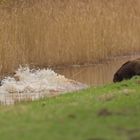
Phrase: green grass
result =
(110, 112)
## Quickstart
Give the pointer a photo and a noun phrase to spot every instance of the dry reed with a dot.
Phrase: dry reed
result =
(59, 32)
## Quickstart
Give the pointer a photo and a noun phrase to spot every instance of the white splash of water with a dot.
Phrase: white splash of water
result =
(31, 84)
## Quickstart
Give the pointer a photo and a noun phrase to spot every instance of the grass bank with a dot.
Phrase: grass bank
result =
(110, 112)
(59, 32)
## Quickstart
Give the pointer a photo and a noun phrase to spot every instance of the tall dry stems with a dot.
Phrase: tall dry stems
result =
(57, 32)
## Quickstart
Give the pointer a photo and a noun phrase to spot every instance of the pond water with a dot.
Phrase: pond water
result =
(32, 84)
(97, 74)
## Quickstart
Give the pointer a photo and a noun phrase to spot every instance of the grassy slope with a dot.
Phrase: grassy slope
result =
(111, 112)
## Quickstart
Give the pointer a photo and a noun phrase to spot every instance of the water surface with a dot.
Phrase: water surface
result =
(32, 84)
(96, 74)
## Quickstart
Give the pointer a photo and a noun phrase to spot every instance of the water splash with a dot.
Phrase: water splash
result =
(32, 84)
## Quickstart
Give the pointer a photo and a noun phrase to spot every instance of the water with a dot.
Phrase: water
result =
(32, 84)
(97, 74)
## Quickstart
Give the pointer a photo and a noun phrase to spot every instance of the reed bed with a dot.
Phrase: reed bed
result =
(65, 32)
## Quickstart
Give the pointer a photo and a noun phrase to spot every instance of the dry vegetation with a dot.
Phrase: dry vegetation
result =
(57, 32)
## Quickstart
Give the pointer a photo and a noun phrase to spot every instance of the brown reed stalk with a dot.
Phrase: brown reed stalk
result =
(60, 32)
